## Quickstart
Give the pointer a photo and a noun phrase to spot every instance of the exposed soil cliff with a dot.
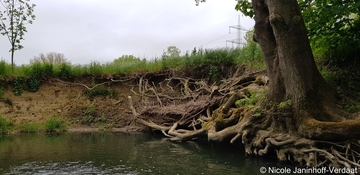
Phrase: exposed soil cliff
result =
(92, 103)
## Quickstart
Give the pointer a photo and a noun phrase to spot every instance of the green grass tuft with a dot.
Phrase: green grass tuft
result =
(29, 127)
(5, 126)
(55, 124)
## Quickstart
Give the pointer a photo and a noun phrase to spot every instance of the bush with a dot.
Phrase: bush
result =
(91, 94)
(95, 68)
(3, 68)
(219, 57)
(19, 85)
(215, 74)
(65, 72)
(55, 124)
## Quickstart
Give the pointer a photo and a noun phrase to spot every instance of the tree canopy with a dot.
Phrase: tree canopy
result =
(125, 59)
(333, 26)
(172, 51)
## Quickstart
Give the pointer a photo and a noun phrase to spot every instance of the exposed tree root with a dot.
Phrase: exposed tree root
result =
(209, 111)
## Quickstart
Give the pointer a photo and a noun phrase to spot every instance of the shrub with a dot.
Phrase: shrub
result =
(219, 57)
(95, 68)
(215, 74)
(3, 68)
(19, 85)
(91, 94)
(48, 70)
(65, 72)
(55, 124)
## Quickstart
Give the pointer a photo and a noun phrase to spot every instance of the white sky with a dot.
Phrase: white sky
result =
(103, 30)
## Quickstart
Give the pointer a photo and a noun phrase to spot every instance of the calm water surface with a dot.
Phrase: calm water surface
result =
(115, 153)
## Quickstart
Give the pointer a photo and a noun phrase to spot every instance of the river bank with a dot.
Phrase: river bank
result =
(88, 104)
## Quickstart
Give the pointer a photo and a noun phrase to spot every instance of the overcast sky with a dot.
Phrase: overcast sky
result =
(103, 30)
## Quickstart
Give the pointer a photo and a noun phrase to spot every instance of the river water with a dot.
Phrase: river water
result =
(116, 153)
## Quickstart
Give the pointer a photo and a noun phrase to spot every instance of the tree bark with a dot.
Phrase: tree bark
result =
(264, 36)
(293, 75)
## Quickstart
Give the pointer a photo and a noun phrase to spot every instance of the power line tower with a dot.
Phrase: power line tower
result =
(238, 41)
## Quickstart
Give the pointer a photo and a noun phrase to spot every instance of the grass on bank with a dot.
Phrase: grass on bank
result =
(53, 124)
(250, 56)
(5, 126)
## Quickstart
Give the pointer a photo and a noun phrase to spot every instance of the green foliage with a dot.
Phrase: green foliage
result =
(245, 7)
(252, 100)
(90, 116)
(5, 125)
(55, 124)
(333, 28)
(240, 102)
(32, 76)
(251, 54)
(194, 60)
(14, 17)
(171, 51)
(102, 118)
(36, 72)
(95, 68)
(87, 119)
(329, 76)
(126, 59)
(91, 110)
(353, 107)
(28, 127)
(65, 72)
(18, 85)
(48, 70)
(33, 84)
(215, 74)
(3, 67)
(130, 64)
(2, 89)
(285, 104)
(172, 63)
(100, 91)
(219, 57)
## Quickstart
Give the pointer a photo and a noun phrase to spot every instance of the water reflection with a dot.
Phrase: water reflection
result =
(114, 153)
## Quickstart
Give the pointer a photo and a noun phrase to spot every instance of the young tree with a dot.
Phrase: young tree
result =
(172, 51)
(14, 15)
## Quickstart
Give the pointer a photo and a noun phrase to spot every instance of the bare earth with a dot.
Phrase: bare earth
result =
(69, 103)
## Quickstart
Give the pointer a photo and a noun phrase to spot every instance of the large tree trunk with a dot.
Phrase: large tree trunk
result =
(292, 72)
